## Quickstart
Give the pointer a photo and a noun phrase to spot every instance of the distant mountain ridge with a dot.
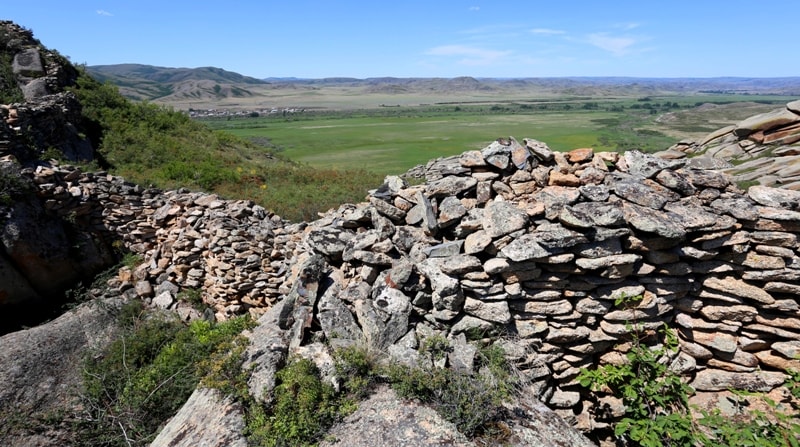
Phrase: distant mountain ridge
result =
(148, 82)
(211, 85)
(169, 74)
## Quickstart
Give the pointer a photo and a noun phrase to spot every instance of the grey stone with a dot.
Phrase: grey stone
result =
(766, 121)
(739, 207)
(717, 380)
(444, 250)
(208, 418)
(647, 166)
(554, 198)
(676, 181)
(447, 293)
(501, 218)
(526, 248)
(450, 186)
(451, 210)
(335, 318)
(164, 300)
(645, 219)
(738, 288)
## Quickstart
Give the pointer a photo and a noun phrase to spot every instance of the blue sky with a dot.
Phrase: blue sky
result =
(481, 38)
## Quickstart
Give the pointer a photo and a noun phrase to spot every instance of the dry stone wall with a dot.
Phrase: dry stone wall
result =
(514, 244)
(232, 253)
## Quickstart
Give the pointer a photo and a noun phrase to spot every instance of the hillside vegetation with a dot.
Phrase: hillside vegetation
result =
(155, 145)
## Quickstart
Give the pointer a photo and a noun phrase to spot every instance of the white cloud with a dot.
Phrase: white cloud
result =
(548, 31)
(474, 8)
(101, 12)
(619, 46)
(469, 55)
(628, 26)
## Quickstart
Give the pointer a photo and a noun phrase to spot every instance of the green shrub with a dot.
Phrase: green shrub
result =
(142, 379)
(303, 408)
(154, 145)
(657, 411)
(470, 400)
(656, 399)
(13, 187)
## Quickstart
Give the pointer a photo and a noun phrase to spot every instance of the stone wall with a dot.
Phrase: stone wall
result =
(232, 251)
(513, 244)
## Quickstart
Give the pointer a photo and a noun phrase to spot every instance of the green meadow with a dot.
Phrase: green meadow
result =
(395, 144)
(390, 140)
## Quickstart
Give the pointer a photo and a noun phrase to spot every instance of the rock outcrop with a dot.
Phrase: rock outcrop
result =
(41, 371)
(45, 116)
(762, 149)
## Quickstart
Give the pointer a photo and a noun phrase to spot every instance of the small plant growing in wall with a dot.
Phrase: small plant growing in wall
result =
(656, 399)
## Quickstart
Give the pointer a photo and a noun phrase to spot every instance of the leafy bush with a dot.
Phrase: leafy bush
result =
(142, 379)
(656, 400)
(470, 400)
(303, 408)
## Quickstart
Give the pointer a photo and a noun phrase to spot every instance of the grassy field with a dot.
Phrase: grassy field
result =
(390, 140)
(395, 144)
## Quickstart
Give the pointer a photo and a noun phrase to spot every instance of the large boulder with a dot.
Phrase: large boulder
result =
(41, 368)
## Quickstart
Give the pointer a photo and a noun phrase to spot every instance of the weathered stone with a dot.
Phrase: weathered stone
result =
(458, 264)
(468, 323)
(501, 218)
(387, 209)
(592, 306)
(767, 358)
(564, 399)
(738, 288)
(695, 350)
(647, 166)
(208, 418)
(525, 248)
(717, 341)
(335, 318)
(595, 193)
(692, 217)
(563, 179)
(561, 307)
(664, 224)
(385, 319)
(716, 380)
(471, 159)
(539, 149)
(476, 242)
(450, 186)
(494, 311)
(556, 197)
(451, 210)
(607, 261)
(444, 250)
(732, 313)
(447, 292)
(702, 178)
(676, 181)
(779, 322)
(788, 349)
(766, 121)
(330, 241)
(635, 191)
(567, 335)
(774, 197)
(739, 207)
